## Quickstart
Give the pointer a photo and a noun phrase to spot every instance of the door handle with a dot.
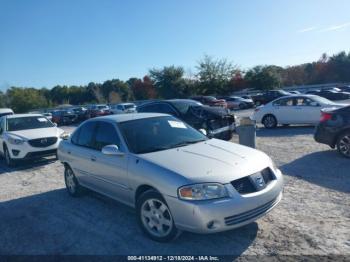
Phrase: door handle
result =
(93, 158)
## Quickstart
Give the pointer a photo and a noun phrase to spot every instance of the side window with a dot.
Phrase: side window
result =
(86, 133)
(284, 102)
(166, 109)
(147, 108)
(74, 138)
(106, 134)
(301, 101)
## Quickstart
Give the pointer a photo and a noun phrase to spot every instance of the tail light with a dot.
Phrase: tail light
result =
(325, 116)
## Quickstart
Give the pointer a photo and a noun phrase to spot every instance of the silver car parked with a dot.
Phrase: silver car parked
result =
(175, 177)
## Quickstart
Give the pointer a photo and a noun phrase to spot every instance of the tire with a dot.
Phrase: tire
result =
(269, 121)
(154, 217)
(72, 185)
(343, 144)
(8, 160)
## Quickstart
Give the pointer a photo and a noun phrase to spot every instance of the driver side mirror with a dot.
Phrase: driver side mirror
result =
(203, 131)
(112, 150)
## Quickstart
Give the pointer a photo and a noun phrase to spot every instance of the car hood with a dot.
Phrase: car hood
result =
(211, 161)
(37, 133)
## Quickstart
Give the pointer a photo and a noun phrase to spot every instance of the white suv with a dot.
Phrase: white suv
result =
(28, 136)
(123, 108)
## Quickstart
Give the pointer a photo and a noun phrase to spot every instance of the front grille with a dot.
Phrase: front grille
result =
(267, 175)
(41, 153)
(236, 219)
(245, 185)
(43, 142)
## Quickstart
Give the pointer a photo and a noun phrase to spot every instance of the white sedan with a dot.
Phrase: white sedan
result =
(294, 109)
(28, 136)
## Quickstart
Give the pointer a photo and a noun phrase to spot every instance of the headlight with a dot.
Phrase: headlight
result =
(64, 135)
(15, 141)
(202, 191)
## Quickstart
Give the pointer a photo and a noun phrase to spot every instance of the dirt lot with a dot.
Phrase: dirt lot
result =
(38, 217)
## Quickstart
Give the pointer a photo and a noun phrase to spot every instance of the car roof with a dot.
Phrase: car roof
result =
(180, 100)
(128, 117)
(23, 115)
(5, 110)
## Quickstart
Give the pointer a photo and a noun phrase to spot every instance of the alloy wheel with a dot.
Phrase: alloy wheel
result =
(344, 145)
(156, 217)
(269, 121)
(70, 181)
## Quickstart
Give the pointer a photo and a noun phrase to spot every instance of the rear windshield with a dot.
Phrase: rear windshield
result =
(29, 122)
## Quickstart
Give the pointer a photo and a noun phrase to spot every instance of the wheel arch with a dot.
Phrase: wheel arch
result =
(142, 189)
(347, 129)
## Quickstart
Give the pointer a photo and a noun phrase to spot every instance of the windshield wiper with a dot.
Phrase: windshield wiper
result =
(185, 143)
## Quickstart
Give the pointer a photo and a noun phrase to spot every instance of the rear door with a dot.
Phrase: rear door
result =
(309, 111)
(81, 151)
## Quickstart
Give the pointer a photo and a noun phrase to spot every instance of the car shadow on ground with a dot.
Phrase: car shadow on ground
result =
(287, 131)
(26, 165)
(55, 223)
(324, 168)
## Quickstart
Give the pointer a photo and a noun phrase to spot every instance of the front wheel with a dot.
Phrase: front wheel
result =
(343, 144)
(155, 218)
(8, 160)
(269, 121)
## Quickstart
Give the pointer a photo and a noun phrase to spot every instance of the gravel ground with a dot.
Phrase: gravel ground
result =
(38, 217)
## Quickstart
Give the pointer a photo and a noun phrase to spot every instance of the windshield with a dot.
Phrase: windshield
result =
(158, 133)
(28, 122)
(322, 100)
(183, 106)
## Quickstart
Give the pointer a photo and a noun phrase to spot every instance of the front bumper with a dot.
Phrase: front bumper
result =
(225, 214)
(26, 151)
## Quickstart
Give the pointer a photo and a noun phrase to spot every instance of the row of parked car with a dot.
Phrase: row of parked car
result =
(164, 167)
(332, 93)
(73, 114)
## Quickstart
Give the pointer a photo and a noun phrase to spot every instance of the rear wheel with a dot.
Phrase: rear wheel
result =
(155, 218)
(72, 184)
(269, 121)
(343, 144)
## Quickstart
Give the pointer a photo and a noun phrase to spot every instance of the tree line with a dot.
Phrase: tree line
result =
(212, 77)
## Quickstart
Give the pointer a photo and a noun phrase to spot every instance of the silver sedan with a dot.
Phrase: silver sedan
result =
(175, 177)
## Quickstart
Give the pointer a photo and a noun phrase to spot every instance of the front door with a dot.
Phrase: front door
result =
(110, 171)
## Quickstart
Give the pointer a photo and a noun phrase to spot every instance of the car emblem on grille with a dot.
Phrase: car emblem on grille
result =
(43, 141)
(259, 181)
